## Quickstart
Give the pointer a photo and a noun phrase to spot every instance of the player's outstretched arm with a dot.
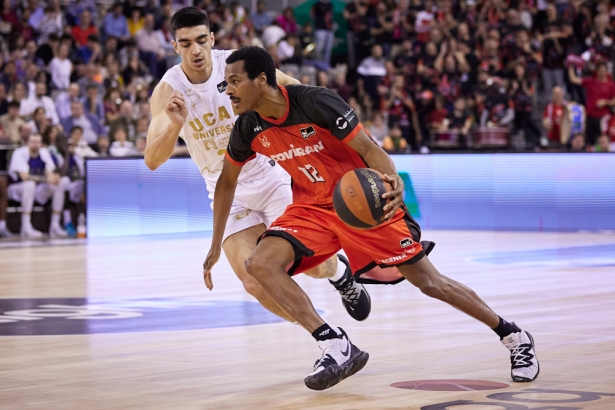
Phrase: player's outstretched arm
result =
(223, 200)
(169, 113)
(379, 160)
(284, 80)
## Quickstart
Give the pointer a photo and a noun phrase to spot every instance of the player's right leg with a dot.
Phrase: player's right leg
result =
(296, 239)
(237, 248)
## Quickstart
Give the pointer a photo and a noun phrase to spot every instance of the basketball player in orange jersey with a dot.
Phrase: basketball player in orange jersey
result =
(313, 134)
(190, 102)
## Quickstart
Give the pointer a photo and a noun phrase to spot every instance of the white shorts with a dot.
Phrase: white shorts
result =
(259, 201)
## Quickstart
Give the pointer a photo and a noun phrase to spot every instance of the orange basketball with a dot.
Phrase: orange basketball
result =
(358, 198)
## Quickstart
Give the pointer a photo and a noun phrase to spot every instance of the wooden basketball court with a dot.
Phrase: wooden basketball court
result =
(128, 324)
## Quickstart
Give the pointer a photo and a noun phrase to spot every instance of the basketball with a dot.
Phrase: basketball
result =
(357, 198)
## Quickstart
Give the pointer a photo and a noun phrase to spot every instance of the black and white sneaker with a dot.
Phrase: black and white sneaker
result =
(340, 359)
(355, 298)
(524, 364)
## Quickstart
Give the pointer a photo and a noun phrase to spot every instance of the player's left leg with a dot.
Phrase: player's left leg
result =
(425, 276)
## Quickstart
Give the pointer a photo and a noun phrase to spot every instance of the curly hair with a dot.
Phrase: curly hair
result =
(255, 61)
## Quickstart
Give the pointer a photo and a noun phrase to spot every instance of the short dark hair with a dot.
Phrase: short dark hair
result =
(255, 61)
(76, 128)
(188, 17)
(13, 103)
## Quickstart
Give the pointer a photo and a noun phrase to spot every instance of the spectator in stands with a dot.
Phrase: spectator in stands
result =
(522, 93)
(24, 133)
(75, 9)
(92, 77)
(135, 22)
(79, 145)
(260, 17)
(577, 143)
(4, 102)
(112, 103)
(50, 141)
(18, 93)
(124, 120)
(116, 24)
(378, 129)
(340, 86)
(371, 71)
(322, 13)
(272, 34)
(553, 116)
(39, 121)
(151, 48)
(11, 122)
(458, 121)
(53, 21)
(600, 91)
(40, 99)
(553, 39)
(141, 128)
(33, 170)
(93, 103)
(135, 71)
(603, 144)
(63, 100)
(103, 146)
(60, 68)
(90, 125)
(91, 52)
(121, 147)
(4, 230)
(402, 113)
(287, 21)
(9, 74)
(9, 15)
(395, 142)
(84, 28)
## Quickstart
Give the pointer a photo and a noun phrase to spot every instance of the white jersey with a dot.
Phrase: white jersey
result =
(210, 120)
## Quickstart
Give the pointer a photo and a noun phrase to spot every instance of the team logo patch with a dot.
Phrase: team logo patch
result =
(404, 243)
(264, 141)
(307, 132)
(341, 123)
(222, 86)
(241, 215)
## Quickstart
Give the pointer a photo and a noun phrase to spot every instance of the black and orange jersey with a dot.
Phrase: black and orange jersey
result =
(309, 141)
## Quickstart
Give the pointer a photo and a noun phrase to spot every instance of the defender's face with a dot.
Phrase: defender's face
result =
(194, 45)
(243, 92)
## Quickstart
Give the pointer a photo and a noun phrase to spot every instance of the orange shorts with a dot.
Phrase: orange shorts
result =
(317, 234)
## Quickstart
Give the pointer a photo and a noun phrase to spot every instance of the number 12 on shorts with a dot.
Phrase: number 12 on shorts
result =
(311, 173)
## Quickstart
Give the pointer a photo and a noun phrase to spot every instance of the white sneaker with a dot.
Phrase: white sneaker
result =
(31, 233)
(57, 232)
(340, 359)
(524, 364)
(5, 233)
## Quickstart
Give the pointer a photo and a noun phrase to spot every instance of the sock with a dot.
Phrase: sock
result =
(340, 272)
(26, 224)
(55, 219)
(504, 329)
(325, 332)
(67, 218)
(2, 225)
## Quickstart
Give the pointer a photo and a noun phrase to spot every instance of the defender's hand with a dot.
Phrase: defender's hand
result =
(176, 108)
(396, 195)
(212, 257)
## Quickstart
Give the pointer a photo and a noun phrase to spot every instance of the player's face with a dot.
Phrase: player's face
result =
(243, 92)
(194, 45)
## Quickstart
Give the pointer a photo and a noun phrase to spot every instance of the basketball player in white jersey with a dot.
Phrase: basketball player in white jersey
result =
(190, 102)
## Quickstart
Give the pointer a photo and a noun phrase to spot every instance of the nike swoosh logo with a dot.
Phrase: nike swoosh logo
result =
(345, 354)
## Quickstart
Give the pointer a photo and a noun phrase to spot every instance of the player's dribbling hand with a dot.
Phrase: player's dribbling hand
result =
(176, 108)
(396, 195)
(212, 257)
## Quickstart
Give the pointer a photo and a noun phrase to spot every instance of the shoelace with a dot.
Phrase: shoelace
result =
(324, 357)
(349, 292)
(520, 356)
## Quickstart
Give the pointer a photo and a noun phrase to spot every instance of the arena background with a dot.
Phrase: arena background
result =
(550, 192)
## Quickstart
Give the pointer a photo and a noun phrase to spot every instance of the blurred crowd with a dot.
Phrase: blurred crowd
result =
(423, 75)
